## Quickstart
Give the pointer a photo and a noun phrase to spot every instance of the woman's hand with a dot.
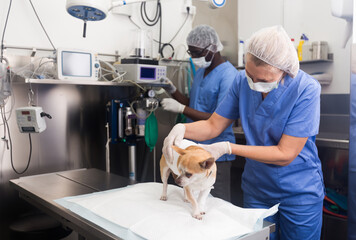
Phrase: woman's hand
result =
(217, 149)
(175, 136)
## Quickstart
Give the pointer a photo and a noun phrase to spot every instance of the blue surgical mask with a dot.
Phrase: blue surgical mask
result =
(263, 87)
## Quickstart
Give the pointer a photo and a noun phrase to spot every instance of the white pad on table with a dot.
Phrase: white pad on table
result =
(136, 212)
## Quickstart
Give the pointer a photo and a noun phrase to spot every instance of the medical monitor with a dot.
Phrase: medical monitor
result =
(143, 73)
(77, 65)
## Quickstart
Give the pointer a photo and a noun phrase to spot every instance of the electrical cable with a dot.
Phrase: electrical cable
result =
(107, 148)
(130, 17)
(3, 116)
(154, 21)
(6, 127)
(6, 101)
(175, 35)
(39, 20)
(180, 28)
(164, 46)
(147, 20)
(10, 141)
(31, 93)
(3, 33)
(186, 19)
(119, 77)
(113, 71)
(160, 27)
(40, 64)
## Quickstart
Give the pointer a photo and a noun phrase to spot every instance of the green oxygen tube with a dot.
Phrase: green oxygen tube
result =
(151, 131)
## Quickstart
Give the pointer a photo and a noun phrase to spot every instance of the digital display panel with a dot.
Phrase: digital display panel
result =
(76, 64)
(25, 112)
(28, 129)
(148, 73)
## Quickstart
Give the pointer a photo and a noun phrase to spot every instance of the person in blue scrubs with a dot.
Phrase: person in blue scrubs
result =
(279, 108)
(211, 84)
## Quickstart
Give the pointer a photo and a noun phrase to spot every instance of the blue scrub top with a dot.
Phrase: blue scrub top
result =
(292, 109)
(208, 92)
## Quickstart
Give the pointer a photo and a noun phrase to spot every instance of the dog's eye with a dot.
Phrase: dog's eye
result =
(188, 175)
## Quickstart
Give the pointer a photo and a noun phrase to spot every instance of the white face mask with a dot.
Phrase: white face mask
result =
(263, 87)
(201, 62)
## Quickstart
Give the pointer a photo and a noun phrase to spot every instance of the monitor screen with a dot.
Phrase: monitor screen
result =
(148, 73)
(76, 64)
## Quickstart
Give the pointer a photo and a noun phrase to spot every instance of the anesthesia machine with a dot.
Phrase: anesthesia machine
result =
(131, 120)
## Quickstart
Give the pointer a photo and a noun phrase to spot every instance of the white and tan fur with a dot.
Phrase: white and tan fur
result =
(194, 170)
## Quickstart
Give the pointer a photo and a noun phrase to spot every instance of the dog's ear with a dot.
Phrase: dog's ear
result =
(207, 163)
(180, 151)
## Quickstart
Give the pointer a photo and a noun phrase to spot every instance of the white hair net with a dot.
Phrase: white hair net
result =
(273, 46)
(202, 36)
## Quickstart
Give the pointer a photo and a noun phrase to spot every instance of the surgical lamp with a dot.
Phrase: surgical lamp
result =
(93, 10)
(216, 3)
(96, 10)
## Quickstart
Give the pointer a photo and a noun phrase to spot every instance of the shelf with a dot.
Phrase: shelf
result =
(301, 63)
(315, 61)
(89, 82)
(330, 140)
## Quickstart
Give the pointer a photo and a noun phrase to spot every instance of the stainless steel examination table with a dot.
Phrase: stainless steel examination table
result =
(42, 190)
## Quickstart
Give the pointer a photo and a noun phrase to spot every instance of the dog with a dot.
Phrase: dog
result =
(194, 169)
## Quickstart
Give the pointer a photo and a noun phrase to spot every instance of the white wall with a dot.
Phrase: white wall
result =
(312, 17)
(116, 32)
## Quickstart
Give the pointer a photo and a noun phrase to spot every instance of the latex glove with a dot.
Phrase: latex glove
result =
(170, 88)
(169, 104)
(217, 149)
(174, 137)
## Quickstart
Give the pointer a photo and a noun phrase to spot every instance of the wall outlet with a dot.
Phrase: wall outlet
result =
(192, 9)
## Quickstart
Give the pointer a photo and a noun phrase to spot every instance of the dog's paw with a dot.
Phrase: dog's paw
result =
(163, 198)
(198, 216)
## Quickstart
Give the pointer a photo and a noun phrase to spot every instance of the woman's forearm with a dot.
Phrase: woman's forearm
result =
(199, 131)
(282, 154)
(195, 115)
(207, 129)
(264, 154)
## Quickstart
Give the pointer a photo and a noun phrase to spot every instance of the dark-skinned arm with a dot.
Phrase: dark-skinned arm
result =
(191, 113)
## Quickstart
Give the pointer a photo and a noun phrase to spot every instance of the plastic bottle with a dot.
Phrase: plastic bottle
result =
(303, 38)
(300, 50)
(240, 54)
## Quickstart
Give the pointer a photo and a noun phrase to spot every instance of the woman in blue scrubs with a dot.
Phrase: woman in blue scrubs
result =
(279, 108)
(211, 84)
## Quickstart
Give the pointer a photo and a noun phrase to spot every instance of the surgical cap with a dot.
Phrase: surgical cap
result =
(203, 36)
(273, 46)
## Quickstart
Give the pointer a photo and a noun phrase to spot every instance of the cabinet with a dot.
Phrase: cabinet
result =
(321, 70)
